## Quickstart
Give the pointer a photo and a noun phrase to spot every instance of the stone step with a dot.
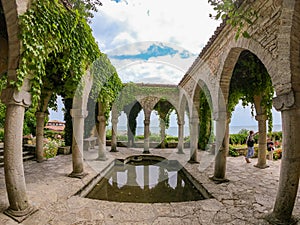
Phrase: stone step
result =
(27, 155)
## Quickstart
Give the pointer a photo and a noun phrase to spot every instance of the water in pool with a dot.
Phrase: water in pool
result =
(146, 181)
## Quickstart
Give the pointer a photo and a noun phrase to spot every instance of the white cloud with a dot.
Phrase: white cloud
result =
(186, 24)
(123, 38)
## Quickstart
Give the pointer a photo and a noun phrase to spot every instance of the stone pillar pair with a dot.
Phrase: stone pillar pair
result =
(221, 147)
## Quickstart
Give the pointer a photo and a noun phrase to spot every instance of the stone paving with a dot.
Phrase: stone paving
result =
(245, 199)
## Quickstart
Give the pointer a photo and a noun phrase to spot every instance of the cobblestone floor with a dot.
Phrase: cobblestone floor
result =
(245, 199)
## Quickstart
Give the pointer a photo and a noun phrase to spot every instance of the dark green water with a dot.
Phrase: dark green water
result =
(146, 181)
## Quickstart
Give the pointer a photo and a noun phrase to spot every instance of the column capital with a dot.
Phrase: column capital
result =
(41, 114)
(146, 122)
(101, 118)
(11, 96)
(261, 117)
(180, 123)
(285, 101)
(81, 113)
(220, 115)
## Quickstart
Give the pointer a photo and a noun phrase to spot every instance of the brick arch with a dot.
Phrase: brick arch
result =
(231, 57)
(295, 47)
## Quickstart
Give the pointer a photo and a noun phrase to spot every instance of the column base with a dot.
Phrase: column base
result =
(272, 220)
(101, 158)
(180, 152)
(77, 175)
(261, 166)
(191, 161)
(114, 150)
(218, 180)
(20, 216)
(41, 160)
(146, 152)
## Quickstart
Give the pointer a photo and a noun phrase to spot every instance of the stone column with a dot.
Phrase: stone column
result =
(222, 148)
(290, 162)
(130, 135)
(114, 128)
(194, 129)
(262, 141)
(19, 207)
(162, 132)
(40, 120)
(180, 137)
(78, 116)
(146, 133)
(102, 138)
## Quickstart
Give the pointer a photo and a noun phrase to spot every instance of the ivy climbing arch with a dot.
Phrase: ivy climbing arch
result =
(250, 78)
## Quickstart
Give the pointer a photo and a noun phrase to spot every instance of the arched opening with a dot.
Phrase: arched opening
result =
(251, 84)
(132, 111)
(164, 109)
(203, 104)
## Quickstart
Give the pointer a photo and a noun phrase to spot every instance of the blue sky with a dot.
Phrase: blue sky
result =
(156, 41)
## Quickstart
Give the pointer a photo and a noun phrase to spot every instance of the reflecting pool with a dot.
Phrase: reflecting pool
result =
(147, 179)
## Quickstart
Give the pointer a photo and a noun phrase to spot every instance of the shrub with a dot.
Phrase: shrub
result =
(1, 134)
(51, 147)
(233, 152)
(277, 154)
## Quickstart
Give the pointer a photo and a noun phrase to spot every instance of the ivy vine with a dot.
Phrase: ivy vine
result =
(205, 121)
(57, 48)
(106, 83)
(235, 15)
(250, 78)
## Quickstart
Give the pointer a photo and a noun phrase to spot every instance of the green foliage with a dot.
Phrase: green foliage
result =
(250, 78)
(1, 135)
(50, 148)
(236, 16)
(85, 7)
(67, 117)
(132, 110)
(29, 126)
(275, 136)
(205, 121)
(233, 152)
(53, 134)
(106, 83)
(57, 47)
(238, 139)
(164, 109)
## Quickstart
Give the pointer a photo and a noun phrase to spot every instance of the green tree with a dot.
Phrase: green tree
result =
(235, 15)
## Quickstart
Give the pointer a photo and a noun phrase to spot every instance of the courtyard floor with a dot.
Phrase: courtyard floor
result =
(245, 199)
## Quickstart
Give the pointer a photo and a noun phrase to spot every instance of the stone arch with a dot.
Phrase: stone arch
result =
(295, 47)
(202, 87)
(231, 57)
(12, 9)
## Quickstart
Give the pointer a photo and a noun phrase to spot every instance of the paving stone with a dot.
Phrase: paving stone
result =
(246, 199)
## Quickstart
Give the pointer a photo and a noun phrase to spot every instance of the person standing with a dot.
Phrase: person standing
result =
(270, 147)
(250, 145)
